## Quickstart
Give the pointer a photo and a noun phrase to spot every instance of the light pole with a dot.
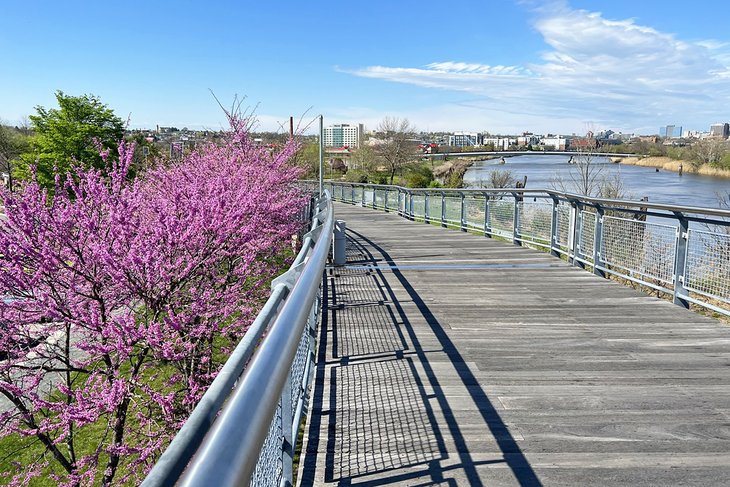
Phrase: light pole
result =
(321, 153)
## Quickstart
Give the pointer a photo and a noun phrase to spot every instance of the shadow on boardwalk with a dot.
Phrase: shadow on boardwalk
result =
(377, 393)
(449, 359)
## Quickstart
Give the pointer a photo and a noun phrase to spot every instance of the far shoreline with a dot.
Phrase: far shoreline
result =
(669, 164)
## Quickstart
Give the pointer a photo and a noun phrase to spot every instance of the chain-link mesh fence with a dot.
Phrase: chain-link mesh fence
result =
(474, 207)
(534, 222)
(501, 216)
(452, 210)
(562, 237)
(708, 263)
(269, 468)
(418, 202)
(586, 237)
(641, 249)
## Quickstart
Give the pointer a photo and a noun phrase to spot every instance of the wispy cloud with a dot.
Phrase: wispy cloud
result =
(615, 73)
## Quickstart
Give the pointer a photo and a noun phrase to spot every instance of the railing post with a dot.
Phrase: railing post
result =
(487, 223)
(597, 243)
(516, 220)
(425, 208)
(578, 235)
(462, 217)
(572, 224)
(362, 197)
(352, 194)
(443, 209)
(554, 238)
(287, 449)
(680, 260)
(385, 198)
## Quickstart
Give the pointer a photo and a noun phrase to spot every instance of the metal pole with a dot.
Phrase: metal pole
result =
(680, 261)
(321, 153)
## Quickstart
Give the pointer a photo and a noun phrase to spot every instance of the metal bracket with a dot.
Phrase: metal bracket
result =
(290, 277)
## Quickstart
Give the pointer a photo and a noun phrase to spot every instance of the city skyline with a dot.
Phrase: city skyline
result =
(522, 65)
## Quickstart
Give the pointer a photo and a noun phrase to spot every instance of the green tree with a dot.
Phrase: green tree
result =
(74, 133)
(397, 148)
(13, 142)
(307, 157)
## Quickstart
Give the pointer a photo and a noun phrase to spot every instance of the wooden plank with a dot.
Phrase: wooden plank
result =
(448, 358)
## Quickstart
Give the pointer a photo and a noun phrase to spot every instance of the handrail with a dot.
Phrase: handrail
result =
(232, 443)
(559, 194)
(683, 251)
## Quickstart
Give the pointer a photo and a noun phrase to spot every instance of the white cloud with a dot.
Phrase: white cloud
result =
(616, 73)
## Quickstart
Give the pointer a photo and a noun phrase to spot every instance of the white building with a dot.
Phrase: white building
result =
(500, 143)
(343, 135)
(554, 142)
(465, 139)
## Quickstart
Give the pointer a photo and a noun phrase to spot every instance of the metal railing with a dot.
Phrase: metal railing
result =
(252, 439)
(679, 250)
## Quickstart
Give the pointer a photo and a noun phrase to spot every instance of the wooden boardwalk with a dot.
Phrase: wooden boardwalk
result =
(450, 359)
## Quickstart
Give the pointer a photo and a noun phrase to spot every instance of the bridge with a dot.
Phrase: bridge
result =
(568, 153)
(444, 357)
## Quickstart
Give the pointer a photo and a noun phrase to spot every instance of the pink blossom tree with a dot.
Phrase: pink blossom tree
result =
(121, 299)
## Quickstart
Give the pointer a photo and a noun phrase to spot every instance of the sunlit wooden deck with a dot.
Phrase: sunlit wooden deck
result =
(450, 359)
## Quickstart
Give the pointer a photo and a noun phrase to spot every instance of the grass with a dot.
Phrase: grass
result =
(668, 164)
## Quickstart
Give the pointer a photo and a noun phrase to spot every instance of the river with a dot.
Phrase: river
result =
(660, 187)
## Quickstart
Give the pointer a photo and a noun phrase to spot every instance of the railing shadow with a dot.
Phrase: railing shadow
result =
(380, 419)
(513, 455)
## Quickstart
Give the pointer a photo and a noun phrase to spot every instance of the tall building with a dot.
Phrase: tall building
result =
(720, 130)
(466, 139)
(671, 132)
(343, 135)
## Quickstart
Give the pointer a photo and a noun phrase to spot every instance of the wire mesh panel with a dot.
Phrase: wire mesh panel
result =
(392, 200)
(707, 268)
(563, 227)
(379, 198)
(534, 221)
(501, 216)
(269, 468)
(369, 196)
(298, 366)
(419, 205)
(474, 206)
(644, 250)
(586, 238)
(357, 194)
(452, 212)
(402, 199)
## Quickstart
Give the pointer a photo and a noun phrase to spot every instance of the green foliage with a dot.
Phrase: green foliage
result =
(139, 160)
(356, 176)
(13, 142)
(454, 180)
(724, 162)
(418, 176)
(74, 133)
(307, 157)
(678, 153)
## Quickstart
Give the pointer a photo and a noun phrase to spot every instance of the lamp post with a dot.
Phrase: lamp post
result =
(321, 153)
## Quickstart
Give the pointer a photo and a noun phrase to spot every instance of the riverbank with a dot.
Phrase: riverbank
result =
(451, 173)
(674, 165)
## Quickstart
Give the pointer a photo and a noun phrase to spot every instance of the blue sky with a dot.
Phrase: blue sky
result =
(502, 66)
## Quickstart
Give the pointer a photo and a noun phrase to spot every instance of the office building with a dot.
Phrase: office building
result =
(671, 132)
(720, 130)
(343, 135)
(466, 139)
